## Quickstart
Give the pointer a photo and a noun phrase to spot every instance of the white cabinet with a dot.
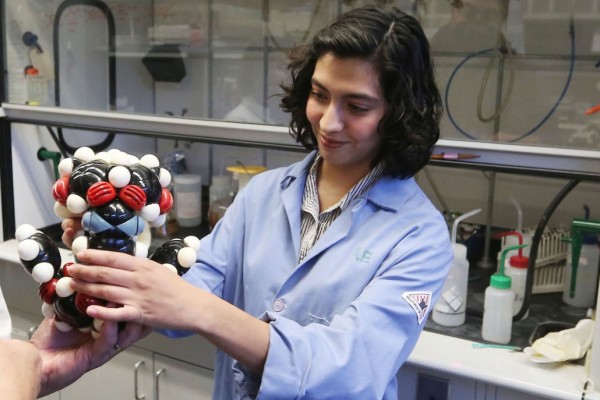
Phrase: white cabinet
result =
(177, 380)
(414, 384)
(142, 375)
(508, 394)
(116, 379)
(423, 384)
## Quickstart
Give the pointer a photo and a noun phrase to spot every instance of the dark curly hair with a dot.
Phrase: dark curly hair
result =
(398, 48)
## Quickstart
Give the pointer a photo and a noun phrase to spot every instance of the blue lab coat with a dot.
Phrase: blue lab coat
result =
(343, 320)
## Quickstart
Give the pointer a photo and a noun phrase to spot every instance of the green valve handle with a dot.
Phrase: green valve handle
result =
(44, 154)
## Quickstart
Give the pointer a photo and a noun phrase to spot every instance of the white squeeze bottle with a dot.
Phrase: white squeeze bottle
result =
(586, 274)
(498, 305)
(516, 268)
(450, 309)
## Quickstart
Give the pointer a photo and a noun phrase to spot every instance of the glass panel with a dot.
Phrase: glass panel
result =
(521, 72)
(510, 71)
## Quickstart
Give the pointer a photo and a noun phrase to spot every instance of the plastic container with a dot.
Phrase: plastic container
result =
(498, 305)
(220, 187)
(243, 173)
(587, 274)
(187, 190)
(37, 87)
(451, 306)
(450, 309)
(518, 275)
(516, 269)
(217, 209)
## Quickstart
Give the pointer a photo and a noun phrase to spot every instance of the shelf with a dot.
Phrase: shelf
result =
(500, 157)
(552, 162)
(211, 131)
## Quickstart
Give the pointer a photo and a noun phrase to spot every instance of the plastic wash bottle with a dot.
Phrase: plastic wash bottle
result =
(498, 305)
(516, 268)
(586, 273)
(450, 309)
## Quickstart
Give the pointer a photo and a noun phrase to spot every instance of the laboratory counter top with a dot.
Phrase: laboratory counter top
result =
(505, 368)
(462, 352)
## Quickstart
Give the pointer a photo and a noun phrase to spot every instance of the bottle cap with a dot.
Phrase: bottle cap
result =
(31, 71)
(500, 281)
(246, 169)
(519, 261)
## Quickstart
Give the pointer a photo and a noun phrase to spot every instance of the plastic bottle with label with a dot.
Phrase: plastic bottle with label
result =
(516, 268)
(220, 187)
(498, 305)
(188, 199)
(37, 87)
(450, 309)
(586, 279)
(583, 293)
(220, 196)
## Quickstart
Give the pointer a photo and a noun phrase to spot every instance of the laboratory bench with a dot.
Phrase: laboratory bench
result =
(448, 363)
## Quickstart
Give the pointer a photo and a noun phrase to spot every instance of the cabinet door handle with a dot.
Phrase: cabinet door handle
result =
(156, 380)
(136, 371)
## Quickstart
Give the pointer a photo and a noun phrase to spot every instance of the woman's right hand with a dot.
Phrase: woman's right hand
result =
(70, 227)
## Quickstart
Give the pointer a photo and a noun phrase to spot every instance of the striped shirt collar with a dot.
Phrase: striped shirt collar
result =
(314, 223)
(311, 192)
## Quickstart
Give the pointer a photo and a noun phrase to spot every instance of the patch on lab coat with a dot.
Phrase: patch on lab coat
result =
(419, 301)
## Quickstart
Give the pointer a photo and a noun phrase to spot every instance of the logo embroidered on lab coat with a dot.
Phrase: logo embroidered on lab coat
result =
(419, 301)
(362, 255)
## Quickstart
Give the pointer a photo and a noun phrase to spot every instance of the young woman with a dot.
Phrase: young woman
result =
(319, 279)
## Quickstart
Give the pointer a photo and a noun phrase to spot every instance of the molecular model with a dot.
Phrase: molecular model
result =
(117, 196)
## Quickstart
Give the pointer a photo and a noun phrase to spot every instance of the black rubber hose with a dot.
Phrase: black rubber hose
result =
(104, 144)
(535, 244)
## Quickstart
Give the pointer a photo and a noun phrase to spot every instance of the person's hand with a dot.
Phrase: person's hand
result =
(150, 293)
(20, 370)
(66, 356)
(153, 295)
(70, 227)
